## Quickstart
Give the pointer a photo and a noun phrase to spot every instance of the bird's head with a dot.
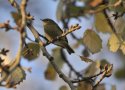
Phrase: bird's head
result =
(47, 21)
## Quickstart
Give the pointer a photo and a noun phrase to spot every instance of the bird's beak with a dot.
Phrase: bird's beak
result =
(41, 19)
(44, 23)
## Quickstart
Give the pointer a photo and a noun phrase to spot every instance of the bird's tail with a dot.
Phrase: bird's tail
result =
(69, 49)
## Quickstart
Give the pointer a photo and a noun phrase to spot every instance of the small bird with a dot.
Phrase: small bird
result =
(52, 30)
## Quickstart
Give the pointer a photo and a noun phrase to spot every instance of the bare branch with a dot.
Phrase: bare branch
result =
(23, 14)
(7, 26)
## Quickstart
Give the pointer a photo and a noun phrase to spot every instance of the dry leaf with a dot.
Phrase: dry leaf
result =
(50, 73)
(94, 3)
(86, 59)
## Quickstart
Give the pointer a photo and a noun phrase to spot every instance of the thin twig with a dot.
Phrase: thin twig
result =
(104, 7)
(106, 73)
(70, 66)
(15, 4)
(7, 26)
(86, 78)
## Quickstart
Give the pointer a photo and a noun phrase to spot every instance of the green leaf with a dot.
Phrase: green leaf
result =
(103, 62)
(17, 76)
(86, 59)
(101, 87)
(60, 10)
(84, 86)
(120, 27)
(59, 56)
(105, 27)
(63, 87)
(100, 8)
(120, 73)
(31, 52)
(92, 41)
(91, 69)
(74, 11)
(113, 43)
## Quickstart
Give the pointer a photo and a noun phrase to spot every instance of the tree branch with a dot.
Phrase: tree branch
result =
(15, 4)
(71, 29)
(23, 14)
(50, 58)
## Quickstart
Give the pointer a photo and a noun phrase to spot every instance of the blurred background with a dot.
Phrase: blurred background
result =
(42, 9)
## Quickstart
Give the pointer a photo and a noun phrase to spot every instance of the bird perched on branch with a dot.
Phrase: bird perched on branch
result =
(52, 31)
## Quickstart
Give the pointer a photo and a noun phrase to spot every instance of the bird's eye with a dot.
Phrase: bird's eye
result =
(48, 21)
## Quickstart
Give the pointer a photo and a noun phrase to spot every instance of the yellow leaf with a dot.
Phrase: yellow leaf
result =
(120, 27)
(122, 47)
(91, 69)
(113, 43)
(50, 73)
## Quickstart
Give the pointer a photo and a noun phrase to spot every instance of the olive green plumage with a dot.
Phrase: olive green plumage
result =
(52, 30)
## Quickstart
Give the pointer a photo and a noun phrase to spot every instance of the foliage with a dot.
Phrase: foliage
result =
(13, 73)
